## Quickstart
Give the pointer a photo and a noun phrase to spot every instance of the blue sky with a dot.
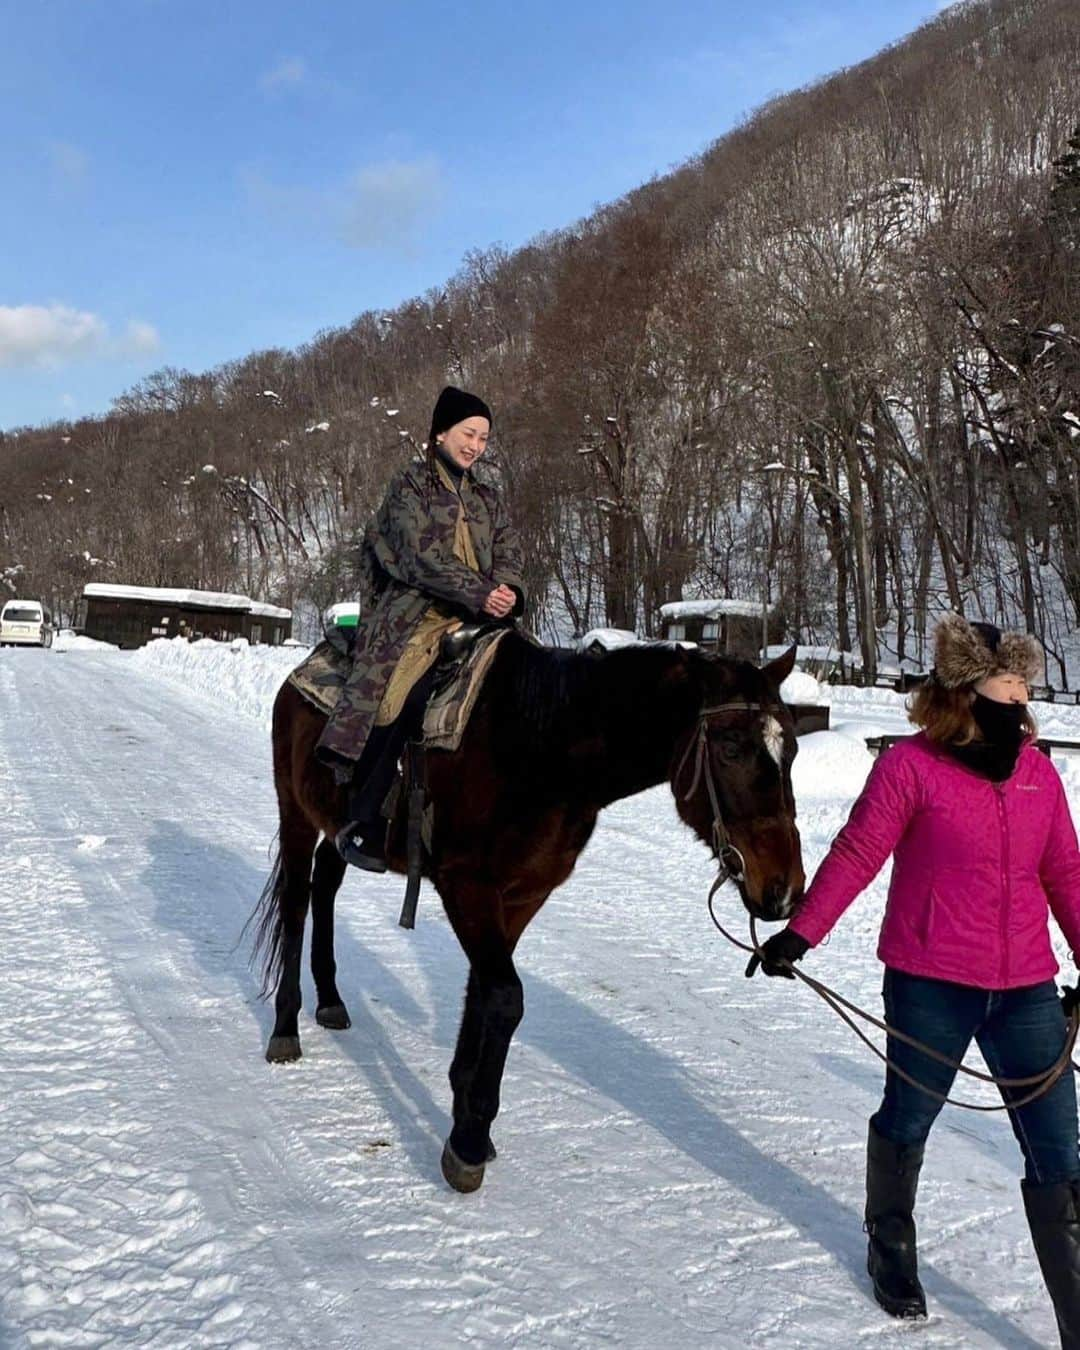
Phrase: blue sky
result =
(186, 182)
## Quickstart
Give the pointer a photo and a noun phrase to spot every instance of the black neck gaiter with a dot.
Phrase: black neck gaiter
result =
(1002, 727)
(456, 472)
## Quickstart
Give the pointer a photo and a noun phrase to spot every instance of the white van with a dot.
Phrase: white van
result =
(25, 623)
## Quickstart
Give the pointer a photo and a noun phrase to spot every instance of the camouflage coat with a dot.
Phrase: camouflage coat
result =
(406, 563)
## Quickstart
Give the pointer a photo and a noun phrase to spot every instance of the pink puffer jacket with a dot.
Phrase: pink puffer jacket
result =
(976, 864)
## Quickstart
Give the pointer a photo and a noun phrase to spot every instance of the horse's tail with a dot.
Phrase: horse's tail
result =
(267, 922)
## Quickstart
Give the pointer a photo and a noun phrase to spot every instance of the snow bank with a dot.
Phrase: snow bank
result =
(829, 765)
(799, 687)
(236, 675)
(67, 641)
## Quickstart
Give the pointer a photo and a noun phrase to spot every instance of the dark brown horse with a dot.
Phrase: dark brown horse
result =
(555, 737)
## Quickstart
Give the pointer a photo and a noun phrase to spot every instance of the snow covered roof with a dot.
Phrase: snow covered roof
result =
(171, 595)
(608, 638)
(819, 653)
(713, 609)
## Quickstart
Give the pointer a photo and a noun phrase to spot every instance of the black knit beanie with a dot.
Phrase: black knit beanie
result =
(454, 406)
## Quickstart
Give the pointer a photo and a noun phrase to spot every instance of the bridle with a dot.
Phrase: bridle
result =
(732, 863)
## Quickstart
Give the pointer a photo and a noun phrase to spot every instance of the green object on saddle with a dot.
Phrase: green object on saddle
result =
(345, 614)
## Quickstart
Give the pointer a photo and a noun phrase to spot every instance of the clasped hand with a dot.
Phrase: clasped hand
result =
(501, 602)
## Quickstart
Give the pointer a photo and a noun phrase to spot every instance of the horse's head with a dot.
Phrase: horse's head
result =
(731, 776)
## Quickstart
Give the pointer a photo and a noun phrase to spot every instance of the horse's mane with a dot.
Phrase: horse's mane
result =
(544, 685)
(552, 692)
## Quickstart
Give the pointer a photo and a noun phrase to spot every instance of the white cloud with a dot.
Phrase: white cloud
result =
(140, 338)
(385, 204)
(70, 165)
(287, 74)
(57, 335)
(380, 207)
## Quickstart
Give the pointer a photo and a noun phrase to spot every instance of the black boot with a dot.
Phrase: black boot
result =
(1053, 1214)
(363, 845)
(892, 1176)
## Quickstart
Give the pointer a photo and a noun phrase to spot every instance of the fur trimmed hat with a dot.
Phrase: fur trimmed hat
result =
(965, 653)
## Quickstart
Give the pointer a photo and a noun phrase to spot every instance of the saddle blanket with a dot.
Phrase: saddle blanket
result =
(320, 678)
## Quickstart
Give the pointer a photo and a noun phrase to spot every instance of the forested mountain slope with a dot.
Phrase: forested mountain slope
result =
(872, 286)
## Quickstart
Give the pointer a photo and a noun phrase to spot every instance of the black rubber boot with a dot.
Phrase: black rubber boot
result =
(892, 1177)
(1053, 1214)
(363, 846)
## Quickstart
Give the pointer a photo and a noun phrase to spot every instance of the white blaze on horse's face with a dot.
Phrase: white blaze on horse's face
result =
(774, 739)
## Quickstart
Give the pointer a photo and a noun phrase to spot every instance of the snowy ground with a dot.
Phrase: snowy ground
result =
(680, 1149)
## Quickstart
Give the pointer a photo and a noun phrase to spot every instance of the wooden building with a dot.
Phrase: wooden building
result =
(732, 627)
(130, 616)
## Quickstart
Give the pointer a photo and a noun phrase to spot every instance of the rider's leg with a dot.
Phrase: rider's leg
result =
(363, 840)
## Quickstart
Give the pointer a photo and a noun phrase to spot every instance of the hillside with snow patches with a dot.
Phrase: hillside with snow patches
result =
(680, 1149)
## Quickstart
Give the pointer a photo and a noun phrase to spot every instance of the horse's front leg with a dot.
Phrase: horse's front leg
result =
(494, 1007)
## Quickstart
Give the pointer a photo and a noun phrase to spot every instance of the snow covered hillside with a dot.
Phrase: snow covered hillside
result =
(680, 1149)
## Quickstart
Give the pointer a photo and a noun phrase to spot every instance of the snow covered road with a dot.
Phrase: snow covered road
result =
(681, 1150)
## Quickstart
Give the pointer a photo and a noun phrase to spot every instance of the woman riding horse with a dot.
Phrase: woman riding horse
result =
(553, 738)
(439, 550)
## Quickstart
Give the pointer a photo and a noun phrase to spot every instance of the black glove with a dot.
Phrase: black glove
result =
(1070, 999)
(778, 953)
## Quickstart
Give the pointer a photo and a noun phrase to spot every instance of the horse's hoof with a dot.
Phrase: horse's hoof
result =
(335, 1017)
(464, 1177)
(491, 1154)
(283, 1049)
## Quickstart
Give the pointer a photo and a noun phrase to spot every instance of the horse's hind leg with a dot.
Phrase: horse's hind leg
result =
(298, 837)
(330, 1011)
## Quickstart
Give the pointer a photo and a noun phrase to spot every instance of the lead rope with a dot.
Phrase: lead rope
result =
(847, 1011)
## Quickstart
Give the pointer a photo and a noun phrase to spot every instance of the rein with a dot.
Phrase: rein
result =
(847, 1011)
(732, 866)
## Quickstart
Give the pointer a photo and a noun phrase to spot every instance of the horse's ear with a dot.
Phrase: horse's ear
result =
(782, 667)
(679, 671)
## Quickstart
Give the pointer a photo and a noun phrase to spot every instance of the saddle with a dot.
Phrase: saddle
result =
(465, 658)
(466, 655)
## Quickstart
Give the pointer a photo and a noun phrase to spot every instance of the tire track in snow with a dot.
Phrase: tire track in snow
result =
(146, 1068)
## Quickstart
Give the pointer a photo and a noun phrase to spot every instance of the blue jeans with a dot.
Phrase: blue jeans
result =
(1019, 1031)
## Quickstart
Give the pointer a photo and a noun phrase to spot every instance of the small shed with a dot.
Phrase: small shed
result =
(598, 640)
(131, 616)
(729, 626)
(270, 624)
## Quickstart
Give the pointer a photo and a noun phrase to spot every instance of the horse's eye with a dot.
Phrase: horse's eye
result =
(729, 747)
